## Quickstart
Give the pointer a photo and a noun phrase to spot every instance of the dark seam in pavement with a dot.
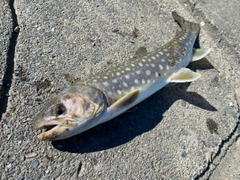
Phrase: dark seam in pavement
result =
(79, 169)
(8, 75)
(199, 176)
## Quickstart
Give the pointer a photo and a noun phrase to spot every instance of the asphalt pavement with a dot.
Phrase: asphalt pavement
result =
(185, 131)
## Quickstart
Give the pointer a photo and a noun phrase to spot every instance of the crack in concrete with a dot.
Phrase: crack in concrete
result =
(219, 152)
(8, 75)
(221, 146)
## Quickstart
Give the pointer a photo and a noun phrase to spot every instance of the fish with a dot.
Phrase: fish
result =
(105, 95)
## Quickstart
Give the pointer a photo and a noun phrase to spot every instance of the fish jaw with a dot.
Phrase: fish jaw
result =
(57, 128)
(73, 111)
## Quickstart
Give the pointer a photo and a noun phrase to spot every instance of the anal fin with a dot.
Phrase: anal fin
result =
(184, 75)
(200, 53)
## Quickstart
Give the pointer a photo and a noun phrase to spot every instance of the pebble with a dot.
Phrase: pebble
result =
(66, 162)
(35, 163)
(47, 171)
(31, 155)
(9, 166)
(57, 173)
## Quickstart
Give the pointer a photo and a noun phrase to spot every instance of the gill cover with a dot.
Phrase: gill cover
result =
(75, 109)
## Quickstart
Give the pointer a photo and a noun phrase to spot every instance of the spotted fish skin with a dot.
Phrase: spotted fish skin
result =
(106, 95)
(152, 71)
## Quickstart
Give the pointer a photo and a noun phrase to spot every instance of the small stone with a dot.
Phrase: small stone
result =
(9, 166)
(66, 162)
(31, 155)
(202, 23)
(57, 173)
(35, 163)
(184, 154)
(17, 29)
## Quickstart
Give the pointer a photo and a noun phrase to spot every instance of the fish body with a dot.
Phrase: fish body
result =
(106, 95)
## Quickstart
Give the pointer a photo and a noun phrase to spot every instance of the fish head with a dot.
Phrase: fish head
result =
(76, 109)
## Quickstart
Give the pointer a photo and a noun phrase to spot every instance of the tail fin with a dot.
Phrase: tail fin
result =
(193, 27)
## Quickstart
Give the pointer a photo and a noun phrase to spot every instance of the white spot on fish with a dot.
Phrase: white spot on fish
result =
(143, 60)
(157, 55)
(153, 65)
(125, 84)
(136, 81)
(119, 92)
(168, 54)
(165, 50)
(149, 60)
(133, 65)
(122, 71)
(118, 73)
(95, 80)
(148, 81)
(163, 60)
(132, 88)
(154, 58)
(148, 72)
(138, 72)
(127, 76)
(140, 64)
(143, 81)
(109, 93)
(156, 74)
(105, 77)
(167, 67)
(160, 53)
(128, 69)
(161, 67)
(114, 81)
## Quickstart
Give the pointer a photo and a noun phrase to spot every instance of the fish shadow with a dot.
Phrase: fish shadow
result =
(127, 126)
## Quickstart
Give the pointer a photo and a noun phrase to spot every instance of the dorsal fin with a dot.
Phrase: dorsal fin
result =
(142, 51)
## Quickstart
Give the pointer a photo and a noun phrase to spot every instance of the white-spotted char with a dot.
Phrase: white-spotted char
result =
(104, 96)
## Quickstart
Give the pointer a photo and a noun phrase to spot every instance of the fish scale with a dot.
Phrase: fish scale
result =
(108, 94)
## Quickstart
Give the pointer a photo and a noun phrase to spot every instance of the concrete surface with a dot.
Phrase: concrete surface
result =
(186, 131)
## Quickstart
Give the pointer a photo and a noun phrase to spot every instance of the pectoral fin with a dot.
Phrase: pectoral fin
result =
(200, 53)
(184, 75)
(125, 101)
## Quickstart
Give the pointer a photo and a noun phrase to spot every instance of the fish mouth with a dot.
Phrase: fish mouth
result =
(54, 129)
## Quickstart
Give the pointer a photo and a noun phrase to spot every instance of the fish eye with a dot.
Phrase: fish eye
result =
(59, 109)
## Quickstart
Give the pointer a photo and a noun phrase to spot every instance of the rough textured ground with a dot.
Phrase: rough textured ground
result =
(186, 131)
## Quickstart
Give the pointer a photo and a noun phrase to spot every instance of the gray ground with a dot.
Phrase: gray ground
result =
(186, 131)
